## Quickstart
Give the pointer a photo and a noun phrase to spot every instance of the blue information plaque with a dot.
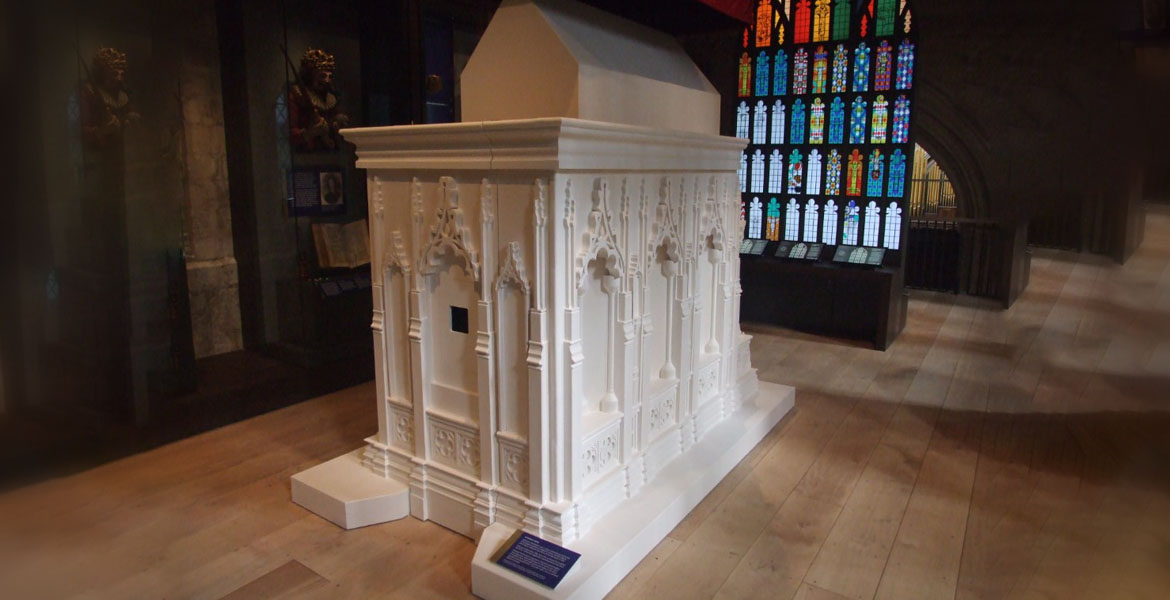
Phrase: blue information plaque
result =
(539, 560)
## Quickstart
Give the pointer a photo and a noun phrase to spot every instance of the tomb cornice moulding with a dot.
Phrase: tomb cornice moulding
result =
(549, 144)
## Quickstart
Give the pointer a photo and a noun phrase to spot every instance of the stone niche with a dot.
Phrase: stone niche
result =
(556, 308)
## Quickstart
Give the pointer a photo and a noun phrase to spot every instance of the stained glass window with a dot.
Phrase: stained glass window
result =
(876, 176)
(829, 227)
(814, 173)
(857, 122)
(780, 74)
(755, 219)
(833, 174)
(848, 83)
(778, 122)
(841, 20)
(821, 21)
(901, 120)
(772, 222)
(795, 172)
(881, 116)
(853, 174)
(758, 172)
(762, 74)
(775, 173)
(811, 217)
(840, 70)
(885, 18)
(873, 221)
(796, 135)
(801, 28)
(893, 226)
(882, 67)
(820, 70)
(861, 68)
(745, 75)
(836, 122)
(743, 172)
(905, 65)
(816, 123)
(897, 183)
(851, 223)
(764, 24)
(792, 222)
(800, 72)
(760, 127)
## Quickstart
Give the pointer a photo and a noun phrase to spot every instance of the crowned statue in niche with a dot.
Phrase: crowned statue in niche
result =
(105, 105)
(315, 115)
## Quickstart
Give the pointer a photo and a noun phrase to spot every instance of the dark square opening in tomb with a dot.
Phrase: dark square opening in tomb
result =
(459, 319)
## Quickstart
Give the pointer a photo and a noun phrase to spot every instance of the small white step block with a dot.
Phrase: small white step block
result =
(621, 539)
(345, 492)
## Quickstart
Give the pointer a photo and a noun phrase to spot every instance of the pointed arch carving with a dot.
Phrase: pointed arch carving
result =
(665, 231)
(512, 270)
(449, 235)
(713, 222)
(395, 255)
(600, 242)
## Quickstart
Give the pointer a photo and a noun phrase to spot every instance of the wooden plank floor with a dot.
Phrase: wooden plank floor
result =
(989, 454)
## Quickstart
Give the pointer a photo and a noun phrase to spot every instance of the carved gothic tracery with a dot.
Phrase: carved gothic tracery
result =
(449, 239)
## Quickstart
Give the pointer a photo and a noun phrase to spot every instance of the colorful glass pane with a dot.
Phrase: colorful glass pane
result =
(820, 70)
(745, 75)
(901, 120)
(861, 68)
(840, 70)
(772, 230)
(795, 172)
(905, 65)
(800, 72)
(884, 23)
(780, 74)
(796, 135)
(897, 185)
(841, 20)
(882, 66)
(853, 174)
(764, 24)
(803, 25)
(762, 74)
(816, 125)
(881, 116)
(833, 174)
(857, 124)
(836, 122)
(876, 175)
(852, 221)
(821, 21)
(742, 120)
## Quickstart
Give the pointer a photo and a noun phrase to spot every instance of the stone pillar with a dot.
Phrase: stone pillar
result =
(211, 265)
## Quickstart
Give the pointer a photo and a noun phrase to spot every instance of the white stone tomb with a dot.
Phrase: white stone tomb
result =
(556, 304)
